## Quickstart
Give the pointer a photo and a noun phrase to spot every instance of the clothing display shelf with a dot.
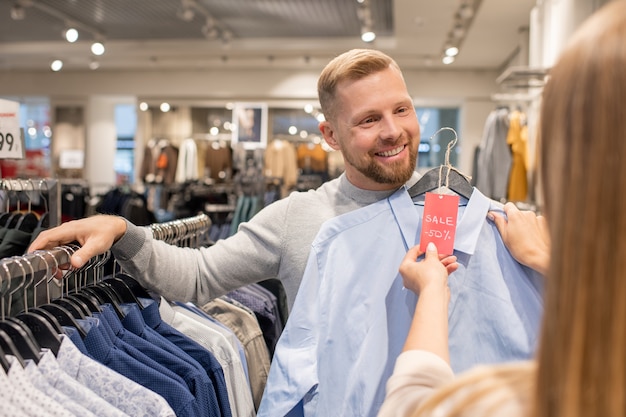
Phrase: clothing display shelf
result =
(523, 77)
(20, 194)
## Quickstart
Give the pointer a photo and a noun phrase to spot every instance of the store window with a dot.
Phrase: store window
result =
(432, 149)
(126, 126)
(293, 124)
(35, 122)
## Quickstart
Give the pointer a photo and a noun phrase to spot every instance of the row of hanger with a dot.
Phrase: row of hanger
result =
(55, 295)
(24, 219)
(40, 323)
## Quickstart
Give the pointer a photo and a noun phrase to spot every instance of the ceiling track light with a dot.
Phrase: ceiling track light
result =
(18, 12)
(212, 29)
(364, 14)
(462, 20)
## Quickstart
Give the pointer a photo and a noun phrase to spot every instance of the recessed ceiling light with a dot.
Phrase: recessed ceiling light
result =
(71, 35)
(56, 65)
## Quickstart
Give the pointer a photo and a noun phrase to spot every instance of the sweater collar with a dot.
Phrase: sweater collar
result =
(365, 197)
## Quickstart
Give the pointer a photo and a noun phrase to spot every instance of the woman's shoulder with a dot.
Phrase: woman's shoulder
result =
(487, 390)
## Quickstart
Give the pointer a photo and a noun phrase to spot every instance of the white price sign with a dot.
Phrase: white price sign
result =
(11, 138)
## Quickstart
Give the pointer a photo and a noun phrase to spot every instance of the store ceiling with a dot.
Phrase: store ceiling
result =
(153, 34)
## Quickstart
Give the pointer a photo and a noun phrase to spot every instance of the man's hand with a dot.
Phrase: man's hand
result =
(95, 235)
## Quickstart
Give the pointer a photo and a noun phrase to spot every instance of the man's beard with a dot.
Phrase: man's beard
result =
(398, 173)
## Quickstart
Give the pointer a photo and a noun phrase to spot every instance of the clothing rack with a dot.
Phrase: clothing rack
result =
(187, 232)
(33, 270)
(113, 297)
(45, 262)
(37, 269)
(34, 190)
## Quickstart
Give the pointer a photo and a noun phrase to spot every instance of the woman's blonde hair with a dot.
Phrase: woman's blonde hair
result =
(581, 365)
(582, 355)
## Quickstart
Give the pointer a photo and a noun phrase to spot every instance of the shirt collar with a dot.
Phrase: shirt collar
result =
(468, 228)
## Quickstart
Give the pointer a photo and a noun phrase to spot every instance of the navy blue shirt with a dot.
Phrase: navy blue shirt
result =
(168, 355)
(102, 348)
(204, 357)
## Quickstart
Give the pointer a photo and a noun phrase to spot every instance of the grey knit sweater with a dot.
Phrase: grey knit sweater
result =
(275, 243)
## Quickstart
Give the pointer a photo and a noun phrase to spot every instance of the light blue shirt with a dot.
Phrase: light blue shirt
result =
(352, 314)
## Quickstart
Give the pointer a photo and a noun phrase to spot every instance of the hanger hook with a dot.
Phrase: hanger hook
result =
(71, 271)
(43, 197)
(21, 284)
(446, 163)
(47, 277)
(26, 284)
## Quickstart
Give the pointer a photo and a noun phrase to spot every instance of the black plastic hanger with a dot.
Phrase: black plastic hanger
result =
(42, 331)
(64, 317)
(23, 338)
(90, 301)
(3, 360)
(13, 219)
(50, 318)
(443, 176)
(4, 218)
(79, 302)
(107, 295)
(28, 222)
(9, 348)
(44, 221)
(125, 294)
(136, 288)
(74, 309)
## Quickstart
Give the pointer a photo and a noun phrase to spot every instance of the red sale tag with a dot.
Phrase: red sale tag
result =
(439, 222)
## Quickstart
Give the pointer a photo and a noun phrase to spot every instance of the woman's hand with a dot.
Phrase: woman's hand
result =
(526, 236)
(429, 279)
(433, 270)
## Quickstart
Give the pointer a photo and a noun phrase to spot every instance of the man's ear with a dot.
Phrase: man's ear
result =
(328, 132)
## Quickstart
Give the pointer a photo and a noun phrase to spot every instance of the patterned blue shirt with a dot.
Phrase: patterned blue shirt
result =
(114, 354)
(352, 314)
(206, 359)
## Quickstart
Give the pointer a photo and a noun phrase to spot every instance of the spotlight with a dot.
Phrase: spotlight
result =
(94, 65)
(97, 48)
(71, 35)
(452, 51)
(367, 35)
(56, 65)
(447, 60)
